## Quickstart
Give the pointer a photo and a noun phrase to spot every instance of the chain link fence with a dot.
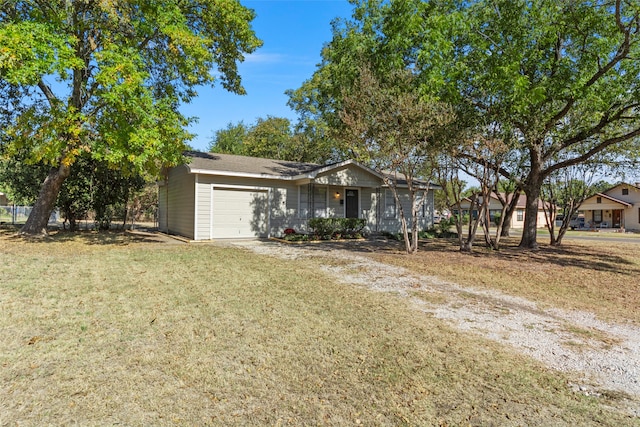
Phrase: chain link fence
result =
(18, 214)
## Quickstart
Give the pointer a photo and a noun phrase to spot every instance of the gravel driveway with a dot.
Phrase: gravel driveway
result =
(605, 356)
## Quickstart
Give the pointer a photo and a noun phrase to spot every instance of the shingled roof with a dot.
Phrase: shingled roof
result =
(234, 165)
(247, 165)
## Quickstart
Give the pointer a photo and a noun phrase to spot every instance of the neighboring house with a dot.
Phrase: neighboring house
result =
(495, 208)
(227, 196)
(617, 207)
(4, 201)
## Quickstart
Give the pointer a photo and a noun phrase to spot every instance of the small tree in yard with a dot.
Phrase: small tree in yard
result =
(563, 193)
(390, 127)
(448, 176)
(487, 152)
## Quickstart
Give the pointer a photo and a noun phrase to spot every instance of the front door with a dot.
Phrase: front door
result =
(616, 218)
(351, 201)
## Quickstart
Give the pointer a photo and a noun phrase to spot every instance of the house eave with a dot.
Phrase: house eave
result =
(244, 174)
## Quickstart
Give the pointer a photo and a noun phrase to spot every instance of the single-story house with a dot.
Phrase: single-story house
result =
(617, 207)
(216, 196)
(495, 208)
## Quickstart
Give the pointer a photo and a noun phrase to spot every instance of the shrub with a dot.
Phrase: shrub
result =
(444, 227)
(295, 237)
(337, 228)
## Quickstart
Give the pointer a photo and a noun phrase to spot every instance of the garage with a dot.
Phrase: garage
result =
(239, 213)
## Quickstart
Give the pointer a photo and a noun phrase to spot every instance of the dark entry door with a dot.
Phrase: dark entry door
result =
(617, 214)
(351, 200)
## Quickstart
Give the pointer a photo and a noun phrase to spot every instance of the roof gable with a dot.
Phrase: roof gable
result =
(616, 191)
(586, 205)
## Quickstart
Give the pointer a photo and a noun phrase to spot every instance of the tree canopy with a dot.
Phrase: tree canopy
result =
(275, 138)
(558, 82)
(107, 78)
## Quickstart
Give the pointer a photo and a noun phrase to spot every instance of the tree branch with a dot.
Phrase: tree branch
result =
(595, 150)
(622, 53)
(47, 92)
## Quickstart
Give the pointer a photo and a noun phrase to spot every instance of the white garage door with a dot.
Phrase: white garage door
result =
(239, 213)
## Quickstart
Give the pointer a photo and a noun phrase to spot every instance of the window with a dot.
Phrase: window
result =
(320, 202)
(424, 209)
(597, 217)
(598, 199)
(389, 204)
(625, 191)
(520, 215)
(303, 201)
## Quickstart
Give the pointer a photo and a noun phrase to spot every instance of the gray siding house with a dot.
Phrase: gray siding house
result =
(217, 196)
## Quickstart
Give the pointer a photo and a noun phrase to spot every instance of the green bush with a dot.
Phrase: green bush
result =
(295, 237)
(445, 224)
(337, 228)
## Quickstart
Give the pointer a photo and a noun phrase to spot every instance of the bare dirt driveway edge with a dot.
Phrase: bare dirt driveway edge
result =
(605, 355)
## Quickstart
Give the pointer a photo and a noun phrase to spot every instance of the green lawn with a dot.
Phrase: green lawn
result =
(104, 329)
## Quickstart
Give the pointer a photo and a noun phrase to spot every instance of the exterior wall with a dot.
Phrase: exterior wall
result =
(632, 196)
(631, 217)
(348, 176)
(282, 202)
(180, 199)
(495, 206)
(162, 207)
(390, 222)
(186, 204)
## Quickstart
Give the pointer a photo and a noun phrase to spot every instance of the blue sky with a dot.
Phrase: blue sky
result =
(293, 32)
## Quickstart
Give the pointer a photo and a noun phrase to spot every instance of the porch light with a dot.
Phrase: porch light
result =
(337, 195)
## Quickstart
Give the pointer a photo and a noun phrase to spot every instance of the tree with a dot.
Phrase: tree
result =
(564, 191)
(276, 138)
(563, 77)
(270, 138)
(107, 78)
(393, 129)
(230, 140)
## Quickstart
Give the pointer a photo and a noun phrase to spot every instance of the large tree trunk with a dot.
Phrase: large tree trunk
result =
(530, 230)
(39, 217)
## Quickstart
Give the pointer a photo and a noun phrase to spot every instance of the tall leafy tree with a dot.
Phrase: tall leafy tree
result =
(562, 77)
(107, 78)
(276, 138)
(230, 140)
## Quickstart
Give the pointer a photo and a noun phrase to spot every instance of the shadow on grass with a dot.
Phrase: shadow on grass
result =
(566, 255)
(88, 237)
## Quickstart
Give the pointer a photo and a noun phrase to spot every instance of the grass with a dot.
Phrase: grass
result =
(108, 329)
(602, 277)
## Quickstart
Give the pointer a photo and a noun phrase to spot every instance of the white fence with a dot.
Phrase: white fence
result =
(19, 214)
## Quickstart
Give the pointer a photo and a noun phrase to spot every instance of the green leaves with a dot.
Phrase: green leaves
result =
(120, 71)
(106, 78)
(31, 50)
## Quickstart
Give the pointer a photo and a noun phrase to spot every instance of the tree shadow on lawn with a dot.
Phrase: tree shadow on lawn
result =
(567, 255)
(563, 256)
(88, 237)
